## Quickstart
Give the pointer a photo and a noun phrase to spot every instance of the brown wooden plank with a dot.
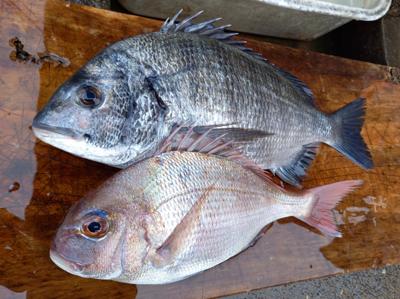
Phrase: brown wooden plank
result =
(49, 181)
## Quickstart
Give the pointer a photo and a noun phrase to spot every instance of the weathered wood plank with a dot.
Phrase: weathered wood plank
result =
(39, 183)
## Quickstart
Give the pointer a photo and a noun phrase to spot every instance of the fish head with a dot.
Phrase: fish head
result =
(106, 112)
(99, 237)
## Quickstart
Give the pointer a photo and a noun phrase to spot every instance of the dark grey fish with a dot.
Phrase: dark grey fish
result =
(123, 103)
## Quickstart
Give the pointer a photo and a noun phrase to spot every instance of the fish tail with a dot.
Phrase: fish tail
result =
(324, 199)
(348, 139)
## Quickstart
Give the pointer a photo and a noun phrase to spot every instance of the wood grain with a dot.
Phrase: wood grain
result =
(39, 183)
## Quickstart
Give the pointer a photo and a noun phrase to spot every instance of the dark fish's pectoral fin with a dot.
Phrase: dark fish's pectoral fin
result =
(235, 134)
(226, 143)
(293, 173)
(178, 240)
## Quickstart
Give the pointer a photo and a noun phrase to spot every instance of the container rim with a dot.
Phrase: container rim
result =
(339, 10)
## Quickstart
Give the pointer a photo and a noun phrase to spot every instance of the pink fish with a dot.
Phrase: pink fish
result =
(180, 213)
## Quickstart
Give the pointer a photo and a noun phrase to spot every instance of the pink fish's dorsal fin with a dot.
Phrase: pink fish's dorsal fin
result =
(189, 139)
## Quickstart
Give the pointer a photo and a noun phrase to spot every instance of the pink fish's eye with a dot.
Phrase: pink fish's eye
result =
(95, 227)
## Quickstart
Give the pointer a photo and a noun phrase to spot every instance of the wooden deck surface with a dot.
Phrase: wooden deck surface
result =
(39, 183)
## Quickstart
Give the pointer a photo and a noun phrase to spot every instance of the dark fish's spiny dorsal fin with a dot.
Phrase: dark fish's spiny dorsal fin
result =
(208, 29)
(187, 139)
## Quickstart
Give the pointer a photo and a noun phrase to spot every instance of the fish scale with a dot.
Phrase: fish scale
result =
(210, 106)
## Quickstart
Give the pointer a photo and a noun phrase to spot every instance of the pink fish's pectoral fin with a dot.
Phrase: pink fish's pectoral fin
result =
(180, 237)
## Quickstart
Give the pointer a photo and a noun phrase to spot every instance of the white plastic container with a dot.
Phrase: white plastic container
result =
(294, 19)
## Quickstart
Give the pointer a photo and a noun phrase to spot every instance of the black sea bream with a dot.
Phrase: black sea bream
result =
(120, 106)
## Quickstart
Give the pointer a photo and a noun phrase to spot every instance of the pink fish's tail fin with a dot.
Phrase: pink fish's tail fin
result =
(325, 198)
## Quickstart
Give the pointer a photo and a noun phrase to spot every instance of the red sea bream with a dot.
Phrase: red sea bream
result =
(179, 213)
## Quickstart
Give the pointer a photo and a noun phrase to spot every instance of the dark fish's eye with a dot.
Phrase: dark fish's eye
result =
(89, 96)
(95, 226)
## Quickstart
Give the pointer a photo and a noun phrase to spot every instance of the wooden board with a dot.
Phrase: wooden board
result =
(39, 183)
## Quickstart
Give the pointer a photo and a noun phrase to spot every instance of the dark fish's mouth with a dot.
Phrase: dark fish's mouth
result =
(37, 125)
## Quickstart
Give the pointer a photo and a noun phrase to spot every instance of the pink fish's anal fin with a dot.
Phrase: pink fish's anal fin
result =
(260, 234)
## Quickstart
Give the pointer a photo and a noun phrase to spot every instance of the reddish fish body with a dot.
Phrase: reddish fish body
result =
(177, 214)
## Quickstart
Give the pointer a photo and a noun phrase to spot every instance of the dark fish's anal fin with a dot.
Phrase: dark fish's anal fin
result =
(293, 173)
(178, 240)
(208, 29)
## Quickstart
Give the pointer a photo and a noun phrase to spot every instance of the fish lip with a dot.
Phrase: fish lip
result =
(77, 145)
(39, 126)
(63, 263)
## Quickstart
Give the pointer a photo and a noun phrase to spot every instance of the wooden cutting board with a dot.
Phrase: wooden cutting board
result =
(39, 183)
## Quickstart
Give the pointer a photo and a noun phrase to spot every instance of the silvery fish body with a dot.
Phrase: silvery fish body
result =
(123, 103)
(177, 214)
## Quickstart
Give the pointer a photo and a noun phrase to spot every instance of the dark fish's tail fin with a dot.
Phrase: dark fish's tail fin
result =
(349, 141)
(325, 198)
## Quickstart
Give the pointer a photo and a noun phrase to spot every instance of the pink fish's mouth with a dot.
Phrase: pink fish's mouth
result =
(63, 263)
